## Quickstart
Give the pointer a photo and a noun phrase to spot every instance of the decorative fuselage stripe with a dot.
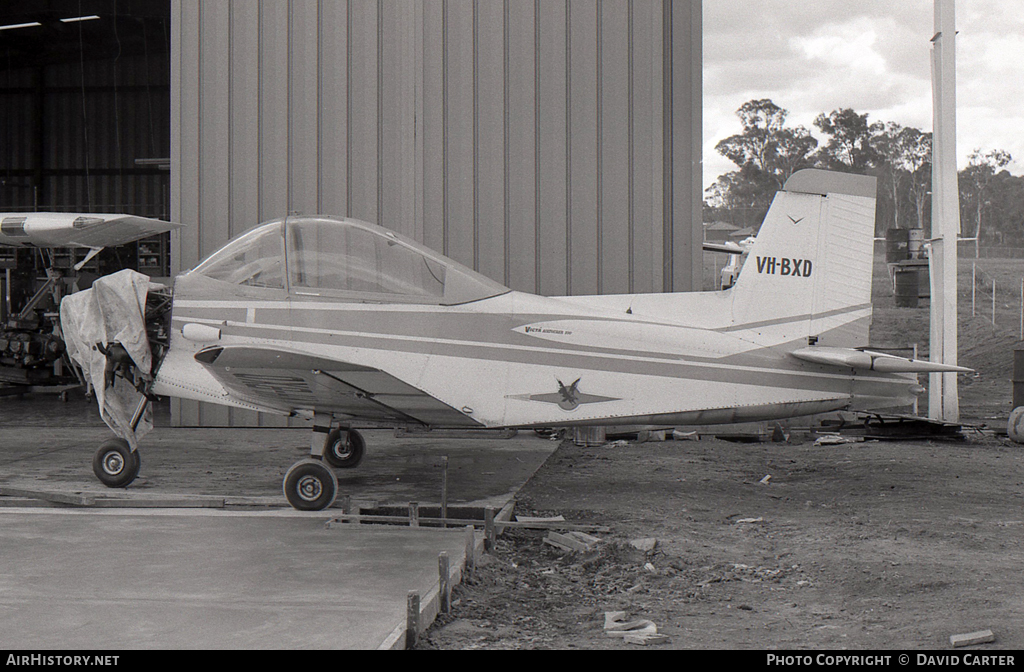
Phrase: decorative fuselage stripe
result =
(776, 369)
(793, 319)
(318, 307)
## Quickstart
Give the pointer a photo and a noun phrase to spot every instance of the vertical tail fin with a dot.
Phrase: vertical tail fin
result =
(808, 275)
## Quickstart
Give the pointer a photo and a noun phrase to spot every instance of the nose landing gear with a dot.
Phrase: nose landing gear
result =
(115, 463)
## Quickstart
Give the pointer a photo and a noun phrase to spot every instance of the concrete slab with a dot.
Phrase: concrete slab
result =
(202, 579)
(184, 578)
(251, 463)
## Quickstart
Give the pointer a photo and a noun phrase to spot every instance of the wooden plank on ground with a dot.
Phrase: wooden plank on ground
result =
(404, 520)
(972, 638)
(72, 498)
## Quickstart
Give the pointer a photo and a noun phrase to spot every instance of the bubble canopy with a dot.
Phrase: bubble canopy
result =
(347, 258)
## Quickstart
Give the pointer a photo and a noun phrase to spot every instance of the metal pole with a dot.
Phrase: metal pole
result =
(943, 400)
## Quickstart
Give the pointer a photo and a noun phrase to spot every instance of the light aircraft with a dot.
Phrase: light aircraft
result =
(348, 323)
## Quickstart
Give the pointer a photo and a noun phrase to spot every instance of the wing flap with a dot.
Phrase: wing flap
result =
(307, 382)
(872, 361)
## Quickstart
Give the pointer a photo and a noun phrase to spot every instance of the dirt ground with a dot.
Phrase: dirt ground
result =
(873, 545)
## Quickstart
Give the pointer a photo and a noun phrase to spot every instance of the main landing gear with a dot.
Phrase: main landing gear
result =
(310, 484)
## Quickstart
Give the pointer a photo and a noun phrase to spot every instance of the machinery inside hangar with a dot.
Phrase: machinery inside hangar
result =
(84, 128)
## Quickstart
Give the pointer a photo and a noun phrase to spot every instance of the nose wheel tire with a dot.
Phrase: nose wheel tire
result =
(344, 449)
(115, 464)
(310, 485)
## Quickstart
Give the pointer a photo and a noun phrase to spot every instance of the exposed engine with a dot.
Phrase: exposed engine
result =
(27, 349)
(158, 326)
(28, 357)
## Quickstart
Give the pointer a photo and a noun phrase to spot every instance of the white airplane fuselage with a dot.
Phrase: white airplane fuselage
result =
(518, 360)
(350, 324)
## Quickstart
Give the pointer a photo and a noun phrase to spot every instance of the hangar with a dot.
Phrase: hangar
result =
(553, 146)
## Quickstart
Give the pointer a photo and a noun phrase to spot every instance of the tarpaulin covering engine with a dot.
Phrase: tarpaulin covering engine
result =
(112, 311)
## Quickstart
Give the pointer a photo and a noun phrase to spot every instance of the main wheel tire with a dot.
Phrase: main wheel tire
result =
(310, 485)
(116, 464)
(344, 449)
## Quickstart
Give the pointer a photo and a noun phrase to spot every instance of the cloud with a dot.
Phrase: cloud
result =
(815, 56)
(849, 46)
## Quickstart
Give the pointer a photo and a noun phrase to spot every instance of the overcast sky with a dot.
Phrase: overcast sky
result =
(814, 56)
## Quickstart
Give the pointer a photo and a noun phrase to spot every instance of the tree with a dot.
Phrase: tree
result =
(739, 197)
(766, 152)
(849, 146)
(905, 156)
(975, 180)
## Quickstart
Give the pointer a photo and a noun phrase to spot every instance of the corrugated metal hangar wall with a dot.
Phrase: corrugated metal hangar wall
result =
(553, 145)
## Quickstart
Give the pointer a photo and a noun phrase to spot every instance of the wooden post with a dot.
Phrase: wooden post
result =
(444, 490)
(993, 302)
(412, 619)
(414, 514)
(444, 584)
(916, 400)
(490, 537)
(470, 550)
(974, 284)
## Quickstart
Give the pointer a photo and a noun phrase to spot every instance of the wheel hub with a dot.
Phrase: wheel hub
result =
(310, 488)
(113, 463)
(342, 450)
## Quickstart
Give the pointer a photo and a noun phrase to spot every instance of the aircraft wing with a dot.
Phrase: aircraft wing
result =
(872, 361)
(298, 381)
(68, 229)
(727, 247)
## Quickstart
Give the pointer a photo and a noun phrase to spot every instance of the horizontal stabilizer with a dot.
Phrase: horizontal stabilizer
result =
(872, 361)
(727, 247)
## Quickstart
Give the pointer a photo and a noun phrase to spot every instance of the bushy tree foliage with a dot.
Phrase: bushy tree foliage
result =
(767, 152)
(976, 196)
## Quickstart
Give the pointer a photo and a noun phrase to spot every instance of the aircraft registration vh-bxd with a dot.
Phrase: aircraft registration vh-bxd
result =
(348, 323)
